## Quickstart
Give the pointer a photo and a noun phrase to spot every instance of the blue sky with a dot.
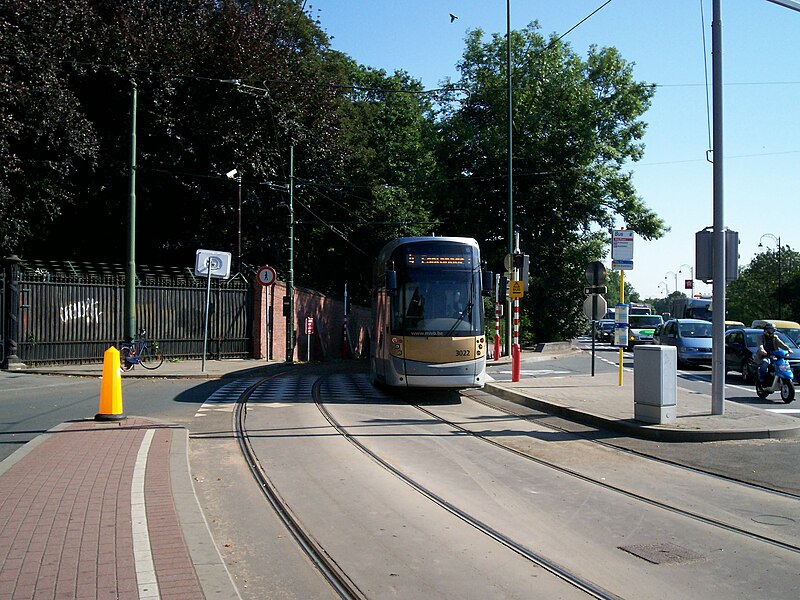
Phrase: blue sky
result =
(664, 38)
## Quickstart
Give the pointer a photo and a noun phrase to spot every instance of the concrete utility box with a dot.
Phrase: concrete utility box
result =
(655, 384)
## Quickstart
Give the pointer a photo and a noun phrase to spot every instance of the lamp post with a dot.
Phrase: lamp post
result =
(777, 240)
(673, 273)
(691, 274)
(666, 289)
(237, 176)
(718, 240)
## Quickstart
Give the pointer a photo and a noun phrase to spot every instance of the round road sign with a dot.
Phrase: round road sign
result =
(595, 273)
(266, 276)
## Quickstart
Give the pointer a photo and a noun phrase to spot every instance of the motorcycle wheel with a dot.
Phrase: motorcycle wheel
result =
(787, 391)
(760, 391)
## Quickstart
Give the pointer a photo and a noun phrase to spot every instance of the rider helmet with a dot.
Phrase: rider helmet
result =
(769, 329)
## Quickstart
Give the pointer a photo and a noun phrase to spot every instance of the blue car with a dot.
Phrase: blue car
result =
(741, 345)
(691, 337)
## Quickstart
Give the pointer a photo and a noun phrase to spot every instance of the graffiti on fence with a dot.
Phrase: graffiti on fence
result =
(83, 309)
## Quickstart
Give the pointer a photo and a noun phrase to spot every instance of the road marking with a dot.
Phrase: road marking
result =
(784, 411)
(142, 553)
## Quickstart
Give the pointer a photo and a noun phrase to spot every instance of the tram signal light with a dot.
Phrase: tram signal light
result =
(286, 306)
(503, 291)
(524, 268)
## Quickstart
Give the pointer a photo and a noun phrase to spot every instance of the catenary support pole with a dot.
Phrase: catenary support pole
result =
(130, 262)
(718, 240)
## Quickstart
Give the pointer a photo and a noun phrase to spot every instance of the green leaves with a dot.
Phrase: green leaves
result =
(576, 124)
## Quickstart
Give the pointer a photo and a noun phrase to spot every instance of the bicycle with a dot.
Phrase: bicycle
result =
(140, 352)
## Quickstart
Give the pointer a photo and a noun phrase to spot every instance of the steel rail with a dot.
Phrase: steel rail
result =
(328, 567)
(552, 567)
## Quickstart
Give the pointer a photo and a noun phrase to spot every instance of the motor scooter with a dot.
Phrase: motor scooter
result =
(780, 375)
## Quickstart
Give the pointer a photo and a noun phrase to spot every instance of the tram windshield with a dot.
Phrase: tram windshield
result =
(441, 302)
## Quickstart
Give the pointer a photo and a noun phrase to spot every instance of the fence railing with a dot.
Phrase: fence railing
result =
(74, 316)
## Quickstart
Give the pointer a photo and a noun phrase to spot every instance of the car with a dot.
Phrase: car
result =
(605, 331)
(691, 338)
(732, 324)
(741, 345)
(640, 329)
(790, 328)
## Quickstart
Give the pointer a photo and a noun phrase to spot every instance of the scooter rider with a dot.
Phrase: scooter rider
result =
(769, 343)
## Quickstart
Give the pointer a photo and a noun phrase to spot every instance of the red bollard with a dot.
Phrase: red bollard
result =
(497, 348)
(515, 360)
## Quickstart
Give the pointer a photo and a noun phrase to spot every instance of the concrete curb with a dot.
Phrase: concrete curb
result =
(213, 574)
(659, 433)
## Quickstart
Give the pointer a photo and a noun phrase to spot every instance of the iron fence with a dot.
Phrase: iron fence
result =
(72, 315)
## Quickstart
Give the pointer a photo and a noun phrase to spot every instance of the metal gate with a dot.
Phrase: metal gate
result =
(3, 316)
(73, 315)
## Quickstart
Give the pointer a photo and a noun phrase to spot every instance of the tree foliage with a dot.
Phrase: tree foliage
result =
(754, 295)
(230, 84)
(576, 123)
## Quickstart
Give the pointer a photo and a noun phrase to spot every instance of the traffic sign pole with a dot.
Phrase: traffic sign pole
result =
(517, 287)
(497, 348)
(266, 277)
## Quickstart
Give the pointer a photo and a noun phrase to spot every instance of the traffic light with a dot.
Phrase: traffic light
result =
(502, 292)
(286, 306)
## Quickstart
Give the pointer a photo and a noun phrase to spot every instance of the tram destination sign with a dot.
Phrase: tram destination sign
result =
(437, 260)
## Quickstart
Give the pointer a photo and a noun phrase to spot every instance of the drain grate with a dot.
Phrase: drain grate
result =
(660, 554)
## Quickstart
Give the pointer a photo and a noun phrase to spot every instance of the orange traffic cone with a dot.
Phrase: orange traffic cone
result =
(110, 388)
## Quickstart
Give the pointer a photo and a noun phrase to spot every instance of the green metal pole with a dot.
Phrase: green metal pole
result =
(290, 278)
(510, 215)
(130, 268)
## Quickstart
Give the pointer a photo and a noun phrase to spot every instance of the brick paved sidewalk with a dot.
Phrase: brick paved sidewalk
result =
(88, 511)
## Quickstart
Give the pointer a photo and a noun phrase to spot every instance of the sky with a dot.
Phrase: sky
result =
(664, 40)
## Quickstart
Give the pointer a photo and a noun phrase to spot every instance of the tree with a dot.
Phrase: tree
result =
(754, 295)
(663, 306)
(576, 123)
(46, 139)
(612, 283)
(381, 190)
(221, 85)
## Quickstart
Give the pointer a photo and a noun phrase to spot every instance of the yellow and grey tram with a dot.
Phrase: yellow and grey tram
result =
(427, 328)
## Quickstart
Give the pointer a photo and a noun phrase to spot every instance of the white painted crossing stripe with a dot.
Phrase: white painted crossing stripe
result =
(142, 553)
(784, 411)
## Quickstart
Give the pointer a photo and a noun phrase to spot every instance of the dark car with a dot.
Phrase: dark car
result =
(741, 345)
(691, 338)
(605, 331)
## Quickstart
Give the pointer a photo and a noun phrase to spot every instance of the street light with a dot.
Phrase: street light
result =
(676, 278)
(691, 273)
(237, 176)
(777, 240)
(666, 289)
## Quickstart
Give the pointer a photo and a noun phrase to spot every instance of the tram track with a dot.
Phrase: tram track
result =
(326, 565)
(536, 558)
(748, 484)
(605, 485)
(346, 588)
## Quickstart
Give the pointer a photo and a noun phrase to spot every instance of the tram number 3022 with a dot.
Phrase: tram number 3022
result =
(462, 352)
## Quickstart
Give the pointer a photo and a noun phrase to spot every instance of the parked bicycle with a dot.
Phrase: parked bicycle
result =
(140, 352)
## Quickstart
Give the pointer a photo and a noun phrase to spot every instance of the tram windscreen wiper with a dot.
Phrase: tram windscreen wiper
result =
(467, 311)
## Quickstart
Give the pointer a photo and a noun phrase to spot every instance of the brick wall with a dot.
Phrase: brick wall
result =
(326, 343)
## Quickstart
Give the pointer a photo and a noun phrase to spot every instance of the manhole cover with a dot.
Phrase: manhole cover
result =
(665, 553)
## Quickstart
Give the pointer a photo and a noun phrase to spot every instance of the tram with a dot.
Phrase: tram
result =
(427, 314)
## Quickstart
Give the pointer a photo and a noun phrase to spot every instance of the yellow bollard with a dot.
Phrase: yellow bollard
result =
(110, 388)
